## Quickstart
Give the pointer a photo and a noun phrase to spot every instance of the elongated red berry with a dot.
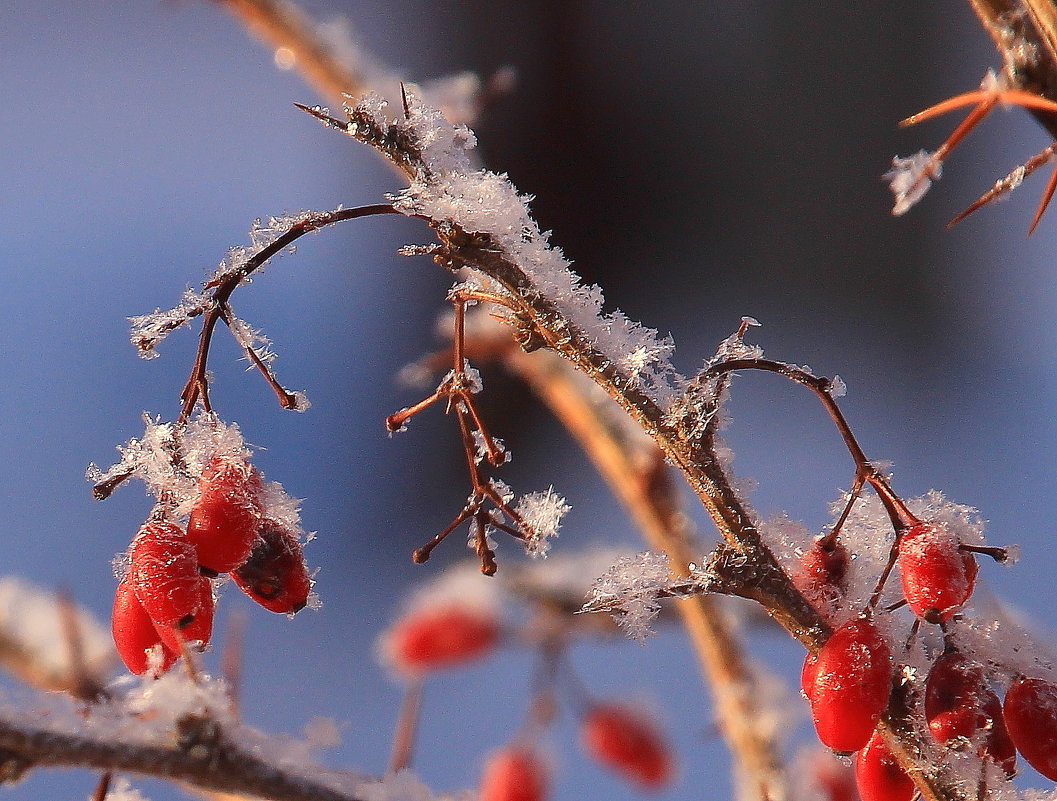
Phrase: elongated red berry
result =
(959, 703)
(823, 574)
(429, 639)
(224, 519)
(163, 571)
(513, 774)
(937, 576)
(627, 742)
(198, 630)
(1030, 711)
(134, 633)
(851, 684)
(275, 575)
(879, 776)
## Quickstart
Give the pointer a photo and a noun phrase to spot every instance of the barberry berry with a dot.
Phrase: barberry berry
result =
(163, 571)
(628, 743)
(428, 639)
(848, 684)
(134, 633)
(878, 774)
(1030, 712)
(938, 577)
(275, 575)
(197, 630)
(823, 574)
(224, 519)
(513, 774)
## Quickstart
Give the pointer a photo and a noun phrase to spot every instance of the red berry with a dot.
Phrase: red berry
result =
(628, 743)
(198, 630)
(959, 703)
(834, 780)
(163, 570)
(851, 683)
(134, 632)
(823, 574)
(224, 519)
(428, 639)
(513, 774)
(1030, 712)
(275, 574)
(937, 576)
(879, 776)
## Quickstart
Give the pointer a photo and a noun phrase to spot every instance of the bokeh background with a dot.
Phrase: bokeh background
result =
(699, 161)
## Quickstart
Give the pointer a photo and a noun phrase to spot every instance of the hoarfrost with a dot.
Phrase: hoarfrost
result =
(147, 330)
(837, 387)
(123, 791)
(632, 588)
(910, 178)
(404, 786)
(541, 513)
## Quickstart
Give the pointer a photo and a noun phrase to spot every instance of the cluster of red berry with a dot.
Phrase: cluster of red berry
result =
(611, 734)
(848, 681)
(165, 598)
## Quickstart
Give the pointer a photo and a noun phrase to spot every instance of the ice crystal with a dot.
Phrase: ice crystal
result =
(541, 513)
(631, 588)
(147, 330)
(910, 178)
(123, 791)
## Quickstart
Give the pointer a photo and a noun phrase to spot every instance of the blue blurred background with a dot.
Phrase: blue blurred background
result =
(700, 163)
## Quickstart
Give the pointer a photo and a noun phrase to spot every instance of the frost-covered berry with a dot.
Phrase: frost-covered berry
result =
(937, 576)
(429, 639)
(275, 575)
(823, 573)
(848, 684)
(134, 632)
(1030, 712)
(163, 571)
(513, 774)
(879, 776)
(959, 703)
(224, 519)
(627, 742)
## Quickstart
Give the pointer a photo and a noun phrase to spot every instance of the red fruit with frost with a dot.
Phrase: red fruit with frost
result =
(224, 519)
(198, 630)
(959, 703)
(428, 639)
(937, 576)
(134, 632)
(629, 744)
(275, 575)
(823, 574)
(163, 571)
(879, 776)
(848, 685)
(513, 774)
(1030, 712)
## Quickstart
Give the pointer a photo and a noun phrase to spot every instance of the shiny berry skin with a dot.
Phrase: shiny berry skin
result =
(198, 630)
(224, 518)
(629, 744)
(513, 774)
(275, 574)
(1030, 711)
(937, 577)
(429, 639)
(134, 632)
(163, 570)
(879, 776)
(959, 703)
(823, 573)
(850, 686)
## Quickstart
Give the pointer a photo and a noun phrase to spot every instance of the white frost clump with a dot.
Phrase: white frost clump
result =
(147, 330)
(403, 786)
(632, 588)
(123, 791)
(541, 513)
(910, 178)
(449, 189)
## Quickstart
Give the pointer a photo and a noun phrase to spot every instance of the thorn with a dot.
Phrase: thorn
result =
(1044, 201)
(403, 100)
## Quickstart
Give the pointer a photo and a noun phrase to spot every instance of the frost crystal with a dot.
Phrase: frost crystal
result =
(123, 791)
(632, 588)
(910, 178)
(541, 513)
(147, 330)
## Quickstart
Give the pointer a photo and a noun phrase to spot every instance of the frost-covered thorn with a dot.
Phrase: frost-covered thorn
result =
(323, 115)
(1000, 555)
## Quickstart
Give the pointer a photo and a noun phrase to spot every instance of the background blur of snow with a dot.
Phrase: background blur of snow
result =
(700, 165)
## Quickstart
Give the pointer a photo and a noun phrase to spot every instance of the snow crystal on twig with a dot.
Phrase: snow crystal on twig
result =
(910, 178)
(632, 589)
(147, 330)
(541, 513)
(123, 791)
